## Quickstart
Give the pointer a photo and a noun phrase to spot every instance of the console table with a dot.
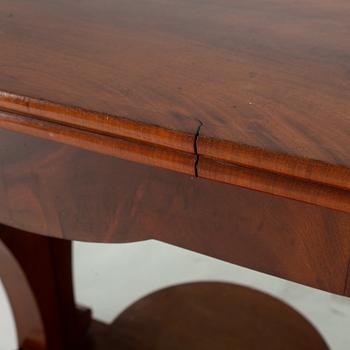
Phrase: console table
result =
(219, 126)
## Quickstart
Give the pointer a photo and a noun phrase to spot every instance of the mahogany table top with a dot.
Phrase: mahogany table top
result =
(248, 92)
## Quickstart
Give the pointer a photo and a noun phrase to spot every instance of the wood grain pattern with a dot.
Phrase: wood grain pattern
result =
(188, 163)
(279, 185)
(144, 153)
(269, 82)
(98, 122)
(206, 316)
(294, 168)
(62, 191)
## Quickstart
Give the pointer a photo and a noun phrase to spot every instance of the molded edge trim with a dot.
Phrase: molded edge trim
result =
(123, 148)
(198, 144)
(277, 163)
(144, 144)
(95, 121)
(279, 185)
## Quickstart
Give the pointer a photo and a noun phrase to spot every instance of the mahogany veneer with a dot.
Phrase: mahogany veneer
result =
(222, 127)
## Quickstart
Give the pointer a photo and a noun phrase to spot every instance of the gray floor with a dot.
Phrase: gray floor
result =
(108, 278)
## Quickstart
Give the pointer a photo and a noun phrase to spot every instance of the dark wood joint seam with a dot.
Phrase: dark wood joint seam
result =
(195, 148)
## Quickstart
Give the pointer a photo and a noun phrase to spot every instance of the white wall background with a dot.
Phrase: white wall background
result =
(110, 277)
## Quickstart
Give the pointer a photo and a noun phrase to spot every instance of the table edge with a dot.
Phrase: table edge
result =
(304, 180)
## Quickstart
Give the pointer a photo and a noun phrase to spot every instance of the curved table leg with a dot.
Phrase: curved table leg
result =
(30, 329)
(46, 264)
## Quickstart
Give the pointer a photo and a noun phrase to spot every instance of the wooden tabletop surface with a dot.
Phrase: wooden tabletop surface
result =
(248, 92)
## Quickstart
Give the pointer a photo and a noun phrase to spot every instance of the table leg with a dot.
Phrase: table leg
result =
(47, 265)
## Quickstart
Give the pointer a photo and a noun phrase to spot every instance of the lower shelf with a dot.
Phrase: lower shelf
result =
(206, 316)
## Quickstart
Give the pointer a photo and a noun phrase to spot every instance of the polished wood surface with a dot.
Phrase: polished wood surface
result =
(183, 162)
(206, 316)
(262, 85)
(221, 126)
(65, 192)
(29, 325)
(144, 153)
(46, 315)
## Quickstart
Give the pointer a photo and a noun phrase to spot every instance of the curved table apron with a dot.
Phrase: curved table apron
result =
(65, 193)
